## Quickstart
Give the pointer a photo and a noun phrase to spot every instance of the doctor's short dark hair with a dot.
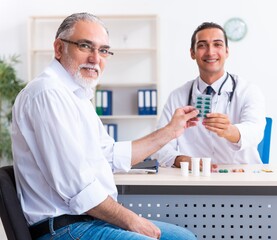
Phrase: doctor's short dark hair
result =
(206, 25)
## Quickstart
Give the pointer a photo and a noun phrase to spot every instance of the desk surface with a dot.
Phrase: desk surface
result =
(253, 175)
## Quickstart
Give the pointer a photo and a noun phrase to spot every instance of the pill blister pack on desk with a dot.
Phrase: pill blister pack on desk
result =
(204, 104)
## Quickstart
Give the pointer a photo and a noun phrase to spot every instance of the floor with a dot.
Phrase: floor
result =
(2, 232)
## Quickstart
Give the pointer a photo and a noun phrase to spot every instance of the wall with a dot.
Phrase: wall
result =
(253, 58)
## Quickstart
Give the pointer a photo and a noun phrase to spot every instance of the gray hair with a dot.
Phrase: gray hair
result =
(67, 26)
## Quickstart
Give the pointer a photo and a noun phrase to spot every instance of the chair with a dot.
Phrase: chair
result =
(11, 213)
(264, 145)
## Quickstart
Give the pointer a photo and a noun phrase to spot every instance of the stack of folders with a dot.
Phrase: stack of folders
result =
(147, 166)
(147, 101)
(111, 130)
(104, 102)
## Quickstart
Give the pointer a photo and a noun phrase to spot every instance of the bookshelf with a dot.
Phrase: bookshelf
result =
(134, 66)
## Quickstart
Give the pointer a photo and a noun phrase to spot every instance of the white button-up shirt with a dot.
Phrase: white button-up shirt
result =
(63, 157)
(246, 111)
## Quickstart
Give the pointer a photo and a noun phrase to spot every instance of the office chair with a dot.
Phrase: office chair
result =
(11, 213)
(264, 145)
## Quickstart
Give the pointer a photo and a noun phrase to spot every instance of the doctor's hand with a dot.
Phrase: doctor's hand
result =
(221, 125)
(182, 158)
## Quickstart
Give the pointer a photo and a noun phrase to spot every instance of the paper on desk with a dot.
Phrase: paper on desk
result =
(142, 171)
(147, 166)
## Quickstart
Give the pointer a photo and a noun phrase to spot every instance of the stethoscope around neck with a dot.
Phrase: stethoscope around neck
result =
(219, 91)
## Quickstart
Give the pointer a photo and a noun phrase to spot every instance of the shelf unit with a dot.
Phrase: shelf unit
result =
(134, 66)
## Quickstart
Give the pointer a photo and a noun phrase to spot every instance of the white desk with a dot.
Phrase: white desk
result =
(222, 206)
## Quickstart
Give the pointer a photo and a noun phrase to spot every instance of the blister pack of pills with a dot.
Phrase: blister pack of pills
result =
(204, 104)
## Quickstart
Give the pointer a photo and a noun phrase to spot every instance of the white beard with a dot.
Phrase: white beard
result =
(87, 83)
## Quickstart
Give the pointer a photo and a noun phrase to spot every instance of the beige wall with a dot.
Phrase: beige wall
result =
(254, 58)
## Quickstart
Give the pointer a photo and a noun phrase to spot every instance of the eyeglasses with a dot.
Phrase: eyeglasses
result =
(87, 46)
